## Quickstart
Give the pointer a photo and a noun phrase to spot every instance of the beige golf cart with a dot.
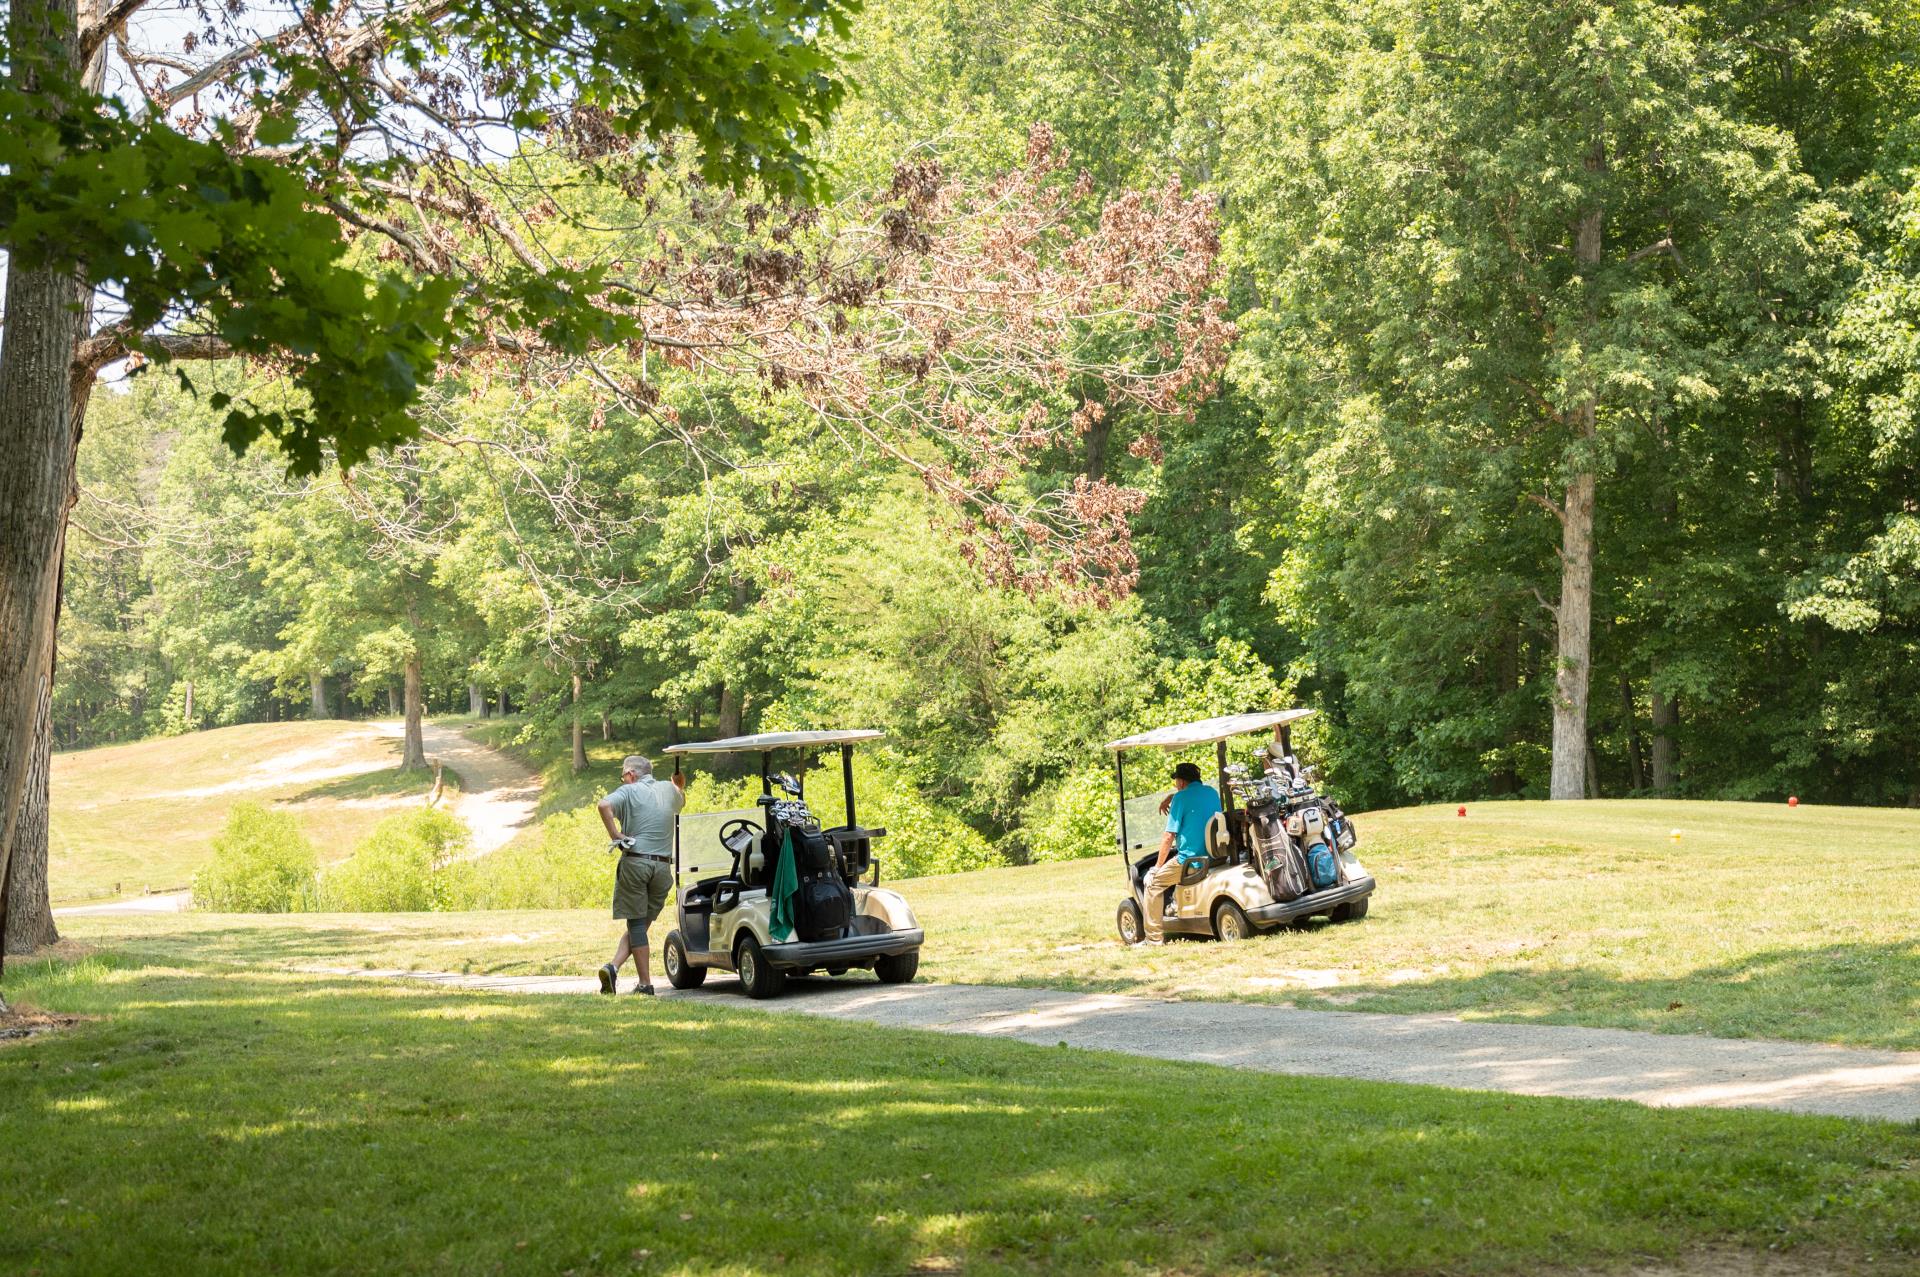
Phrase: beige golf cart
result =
(1278, 852)
(833, 915)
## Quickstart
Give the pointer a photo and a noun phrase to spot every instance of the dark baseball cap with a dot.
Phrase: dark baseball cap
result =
(1189, 772)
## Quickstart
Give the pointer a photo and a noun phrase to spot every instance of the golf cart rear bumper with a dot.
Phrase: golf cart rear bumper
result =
(1315, 902)
(848, 951)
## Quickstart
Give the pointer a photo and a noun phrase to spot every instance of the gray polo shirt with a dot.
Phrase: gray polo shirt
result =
(645, 810)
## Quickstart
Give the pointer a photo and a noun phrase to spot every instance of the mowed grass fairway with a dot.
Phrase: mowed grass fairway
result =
(247, 1121)
(140, 817)
(1759, 922)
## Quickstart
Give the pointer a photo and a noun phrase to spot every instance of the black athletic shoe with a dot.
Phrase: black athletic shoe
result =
(644, 988)
(608, 974)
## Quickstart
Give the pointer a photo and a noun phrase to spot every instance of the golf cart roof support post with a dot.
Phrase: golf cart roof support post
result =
(766, 768)
(1120, 782)
(1286, 739)
(1226, 790)
(846, 777)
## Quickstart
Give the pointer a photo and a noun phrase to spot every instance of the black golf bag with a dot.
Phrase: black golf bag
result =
(823, 907)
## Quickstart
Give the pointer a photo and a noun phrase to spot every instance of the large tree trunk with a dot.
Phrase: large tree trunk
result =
(502, 711)
(1574, 650)
(413, 753)
(1574, 653)
(36, 439)
(317, 706)
(729, 724)
(476, 701)
(579, 739)
(29, 906)
(1666, 716)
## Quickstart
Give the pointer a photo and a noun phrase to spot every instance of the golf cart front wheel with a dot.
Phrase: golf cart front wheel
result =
(1132, 927)
(897, 968)
(1230, 922)
(1352, 911)
(761, 978)
(681, 974)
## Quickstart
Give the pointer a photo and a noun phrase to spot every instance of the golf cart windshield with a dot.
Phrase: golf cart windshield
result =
(1145, 824)
(701, 854)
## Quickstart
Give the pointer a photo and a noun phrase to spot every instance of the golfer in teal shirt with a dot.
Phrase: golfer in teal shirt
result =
(1190, 807)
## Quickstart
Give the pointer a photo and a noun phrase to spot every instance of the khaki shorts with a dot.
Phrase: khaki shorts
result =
(640, 888)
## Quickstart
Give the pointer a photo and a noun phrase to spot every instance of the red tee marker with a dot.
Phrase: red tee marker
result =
(1463, 811)
(1793, 800)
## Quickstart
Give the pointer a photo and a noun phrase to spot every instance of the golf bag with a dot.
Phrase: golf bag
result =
(1311, 827)
(1276, 855)
(824, 906)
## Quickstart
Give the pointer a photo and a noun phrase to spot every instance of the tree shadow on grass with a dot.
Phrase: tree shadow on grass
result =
(1848, 994)
(248, 1121)
(388, 782)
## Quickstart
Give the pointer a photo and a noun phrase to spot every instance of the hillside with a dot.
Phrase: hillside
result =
(134, 818)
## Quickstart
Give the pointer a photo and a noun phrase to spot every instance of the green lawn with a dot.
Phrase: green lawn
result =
(1759, 922)
(133, 818)
(216, 1120)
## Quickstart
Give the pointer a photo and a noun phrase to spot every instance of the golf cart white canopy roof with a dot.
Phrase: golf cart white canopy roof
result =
(1208, 729)
(775, 740)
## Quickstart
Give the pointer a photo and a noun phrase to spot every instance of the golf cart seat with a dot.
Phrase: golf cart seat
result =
(1219, 840)
(1143, 866)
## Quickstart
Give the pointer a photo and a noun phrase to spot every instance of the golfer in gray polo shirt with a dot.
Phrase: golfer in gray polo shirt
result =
(639, 816)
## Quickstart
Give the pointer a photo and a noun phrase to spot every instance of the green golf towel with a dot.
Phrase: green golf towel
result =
(786, 885)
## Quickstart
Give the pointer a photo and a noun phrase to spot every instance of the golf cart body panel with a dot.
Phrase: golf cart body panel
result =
(725, 864)
(1237, 886)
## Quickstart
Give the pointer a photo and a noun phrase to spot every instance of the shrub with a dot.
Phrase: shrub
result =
(922, 839)
(566, 866)
(408, 864)
(262, 863)
(1073, 821)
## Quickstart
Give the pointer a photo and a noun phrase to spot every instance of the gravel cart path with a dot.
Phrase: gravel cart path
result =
(1658, 1069)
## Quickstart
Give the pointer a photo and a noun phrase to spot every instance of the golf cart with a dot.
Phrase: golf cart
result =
(727, 865)
(1278, 851)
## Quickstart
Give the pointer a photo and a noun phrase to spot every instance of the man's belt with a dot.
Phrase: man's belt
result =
(647, 855)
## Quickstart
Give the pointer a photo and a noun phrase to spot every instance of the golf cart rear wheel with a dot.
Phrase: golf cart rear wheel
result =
(761, 978)
(1132, 927)
(681, 974)
(897, 968)
(1352, 911)
(1230, 922)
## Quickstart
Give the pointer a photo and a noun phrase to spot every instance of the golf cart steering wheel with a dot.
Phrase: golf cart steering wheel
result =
(737, 825)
